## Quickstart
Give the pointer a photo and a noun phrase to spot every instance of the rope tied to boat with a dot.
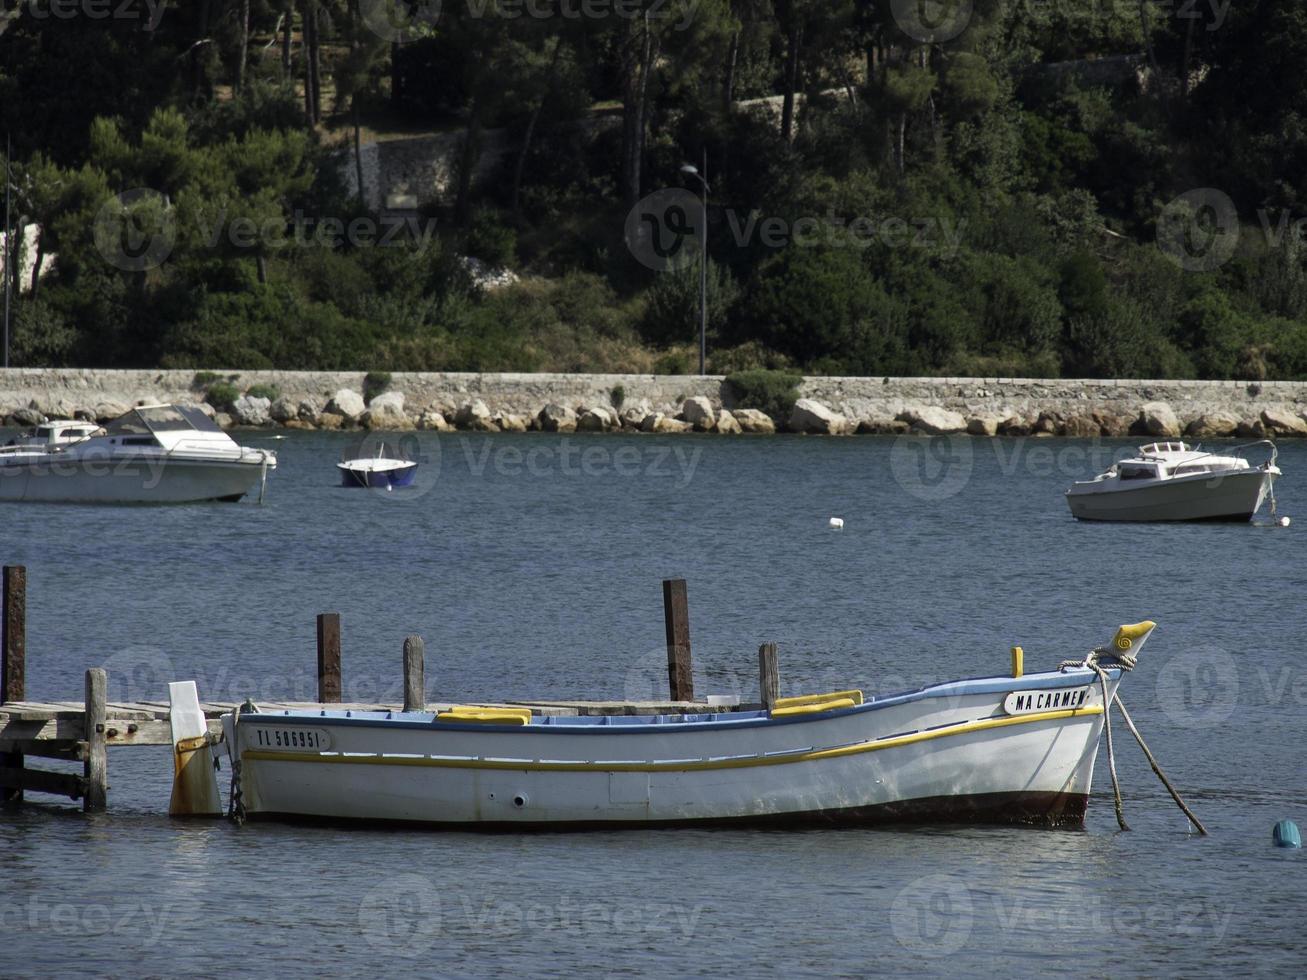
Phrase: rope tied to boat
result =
(1121, 657)
(236, 800)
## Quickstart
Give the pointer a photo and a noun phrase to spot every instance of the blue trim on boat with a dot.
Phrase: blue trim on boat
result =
(615, 724)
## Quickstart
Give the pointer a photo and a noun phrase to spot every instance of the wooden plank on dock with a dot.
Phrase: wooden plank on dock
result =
(41, 781)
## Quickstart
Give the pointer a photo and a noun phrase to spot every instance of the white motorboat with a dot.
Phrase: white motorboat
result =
(1170, 481)
(1008, 749)
(153, 454)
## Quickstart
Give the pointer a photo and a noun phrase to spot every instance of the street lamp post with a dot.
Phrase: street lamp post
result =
(689, 168)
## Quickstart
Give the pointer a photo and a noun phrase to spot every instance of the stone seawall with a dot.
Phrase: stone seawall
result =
(488, 402)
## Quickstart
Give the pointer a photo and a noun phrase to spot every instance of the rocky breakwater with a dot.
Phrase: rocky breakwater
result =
(671, 404)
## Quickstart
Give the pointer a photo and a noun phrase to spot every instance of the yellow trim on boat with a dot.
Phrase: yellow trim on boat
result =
(491, 716)
(811, 708)
(687, 765)
(800, 699)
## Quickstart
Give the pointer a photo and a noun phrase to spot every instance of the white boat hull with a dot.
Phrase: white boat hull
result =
(1233, 496)
(954, 756)
(144, 478)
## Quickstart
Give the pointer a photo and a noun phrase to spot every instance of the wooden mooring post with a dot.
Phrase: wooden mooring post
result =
(676, 617)
(769, 675)
(95, 767)
(329, 658)
(415, 681)
(13, 658)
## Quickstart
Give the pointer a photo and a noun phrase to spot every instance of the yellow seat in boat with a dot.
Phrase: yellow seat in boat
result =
(801, 699)
(488, 716)
(813, 708)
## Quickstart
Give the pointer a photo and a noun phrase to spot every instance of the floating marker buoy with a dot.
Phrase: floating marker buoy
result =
(1286, 834)
(1284, 522)
(837, 522)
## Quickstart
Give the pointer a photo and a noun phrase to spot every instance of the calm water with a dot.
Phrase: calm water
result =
(531, 565)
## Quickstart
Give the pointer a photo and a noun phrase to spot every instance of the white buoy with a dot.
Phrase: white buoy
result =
(1284, 522)
(837, 522)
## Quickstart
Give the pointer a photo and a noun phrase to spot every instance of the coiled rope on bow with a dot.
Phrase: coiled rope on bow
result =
(1122, 658)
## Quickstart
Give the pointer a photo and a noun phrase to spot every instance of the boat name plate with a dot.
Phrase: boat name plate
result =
(1028, 702)
(293, 739)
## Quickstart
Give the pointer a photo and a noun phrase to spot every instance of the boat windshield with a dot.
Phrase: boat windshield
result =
(162, 418)
(1137, 472)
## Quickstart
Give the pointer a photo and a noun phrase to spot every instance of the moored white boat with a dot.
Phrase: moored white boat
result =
(1169, 481)
(152, 454)
(379, 471)
(1014, 749)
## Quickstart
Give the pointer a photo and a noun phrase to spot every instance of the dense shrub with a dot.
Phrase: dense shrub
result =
(773, 392)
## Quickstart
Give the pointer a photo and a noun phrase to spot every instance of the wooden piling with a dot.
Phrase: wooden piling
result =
(329, 658)
(676, 618)
(769, 675)
(13, 663)
(415, 684)
(13, 634)
(96, 766)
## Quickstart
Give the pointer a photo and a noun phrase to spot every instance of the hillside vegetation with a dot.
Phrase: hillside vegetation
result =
(1113, 189)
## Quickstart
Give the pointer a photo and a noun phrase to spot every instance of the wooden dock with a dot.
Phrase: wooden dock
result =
(83, 731)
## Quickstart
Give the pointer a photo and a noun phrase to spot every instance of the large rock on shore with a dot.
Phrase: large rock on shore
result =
(632, 417)
(308, 410)
(386, 412)
(330, 421)
(475, 415)
(726, 424)
(933, 420)
(754, 421)
(1159, 419)
(284, 409)
(434, 420)
(815, 418)
(1080, 427)
(1213, 425)
(983, 425)
(508, 422)
(108, 411)
(1283, 422)
(698, 411)
(557, 418)
(247, 410)
(597, 418)
(347, 403)
(25, 417)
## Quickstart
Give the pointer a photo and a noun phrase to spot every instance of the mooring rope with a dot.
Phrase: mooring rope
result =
(1158, 769)
(1111, 751)
(236, 800)
(1125, 660)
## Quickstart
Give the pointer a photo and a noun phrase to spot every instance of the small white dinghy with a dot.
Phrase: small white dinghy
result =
(377, 471)
(1169, 481)
(1007, 749)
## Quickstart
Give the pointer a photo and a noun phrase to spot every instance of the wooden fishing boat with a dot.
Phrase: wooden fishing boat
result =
(1008, 749)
